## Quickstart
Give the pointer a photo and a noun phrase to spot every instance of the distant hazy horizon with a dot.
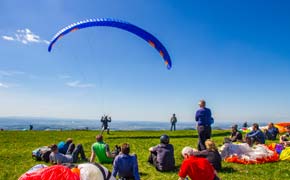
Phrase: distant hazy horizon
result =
(67, 124)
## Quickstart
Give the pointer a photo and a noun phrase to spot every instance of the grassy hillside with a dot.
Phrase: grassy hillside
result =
(16, 148)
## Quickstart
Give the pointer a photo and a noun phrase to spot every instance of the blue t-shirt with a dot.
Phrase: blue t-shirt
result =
(203, 117)
(126, 166)
(62, 147)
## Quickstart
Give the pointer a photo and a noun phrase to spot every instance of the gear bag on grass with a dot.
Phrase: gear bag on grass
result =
(41, 154)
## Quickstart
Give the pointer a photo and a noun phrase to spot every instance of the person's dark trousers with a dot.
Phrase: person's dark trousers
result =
(270, 136)
(70, 148)
(204, 133)
(106, 128)
(173, 127)
(252, 140)
(78, 150)
(152, 159)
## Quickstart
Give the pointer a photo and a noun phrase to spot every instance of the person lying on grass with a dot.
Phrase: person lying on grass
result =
(56, 157)
(66, 147)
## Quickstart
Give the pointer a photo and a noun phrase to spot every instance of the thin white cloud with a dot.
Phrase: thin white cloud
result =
(2, 85)
(78, 84)
(10, 73)
(8, 38)
(25, 36)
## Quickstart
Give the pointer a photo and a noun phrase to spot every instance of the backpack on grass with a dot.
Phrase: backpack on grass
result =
(41, 154)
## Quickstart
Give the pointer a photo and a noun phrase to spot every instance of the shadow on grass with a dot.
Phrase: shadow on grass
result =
(223, 134)
(227, 170)
(143, 174)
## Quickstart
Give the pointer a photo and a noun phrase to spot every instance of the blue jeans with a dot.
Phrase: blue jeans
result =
(173, 126)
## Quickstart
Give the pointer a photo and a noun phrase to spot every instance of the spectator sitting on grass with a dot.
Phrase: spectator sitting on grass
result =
(285, 139)
(271, 132)
(255, 136)
(102, 151)
(125, 165)
(212, 154)
(197, 168)
(236, 134)
(162, 155)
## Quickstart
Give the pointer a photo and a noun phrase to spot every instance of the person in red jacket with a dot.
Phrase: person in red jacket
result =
(196, 167)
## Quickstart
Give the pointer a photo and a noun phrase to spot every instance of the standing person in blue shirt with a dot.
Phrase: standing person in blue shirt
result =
(204, 121)
(255, 136)
(125, 165)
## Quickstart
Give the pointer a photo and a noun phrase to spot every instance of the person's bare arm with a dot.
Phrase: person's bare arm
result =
(110, 155)
(180, 178)
(93, 155)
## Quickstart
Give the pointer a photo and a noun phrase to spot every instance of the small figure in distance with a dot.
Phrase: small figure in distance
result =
(102, 151)
(271, 132)
(56, 157)
(105, 123)
(236, 135)
(197, 168)
(285, 139)
(125, 165)
(30, 127)
(245, 125)
(162, 155)
(173, 121)
(255, 136)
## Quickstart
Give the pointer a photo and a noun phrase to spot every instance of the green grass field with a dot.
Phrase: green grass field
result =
(16, 148)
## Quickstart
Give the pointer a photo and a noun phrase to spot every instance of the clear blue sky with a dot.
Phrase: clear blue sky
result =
(233, 54)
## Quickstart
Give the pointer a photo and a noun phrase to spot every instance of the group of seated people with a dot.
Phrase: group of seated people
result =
(196, 164)
(125, 165)
(256, 136)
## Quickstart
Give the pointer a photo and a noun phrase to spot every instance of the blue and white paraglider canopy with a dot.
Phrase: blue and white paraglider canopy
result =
(152, 40)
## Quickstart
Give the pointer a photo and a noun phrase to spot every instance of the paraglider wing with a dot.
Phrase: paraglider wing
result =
(153, 41)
